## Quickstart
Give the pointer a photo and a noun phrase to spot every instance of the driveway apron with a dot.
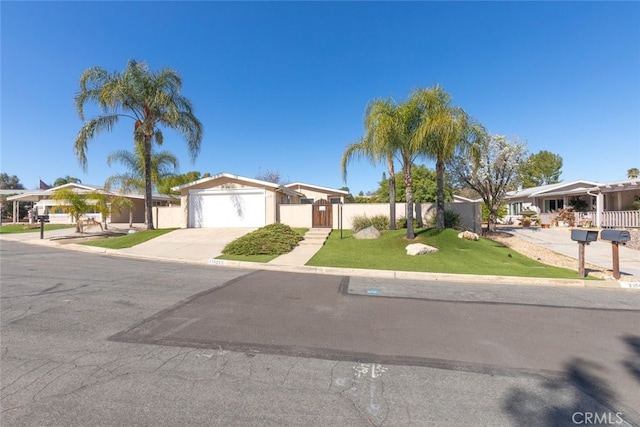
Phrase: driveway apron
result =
(188, 244)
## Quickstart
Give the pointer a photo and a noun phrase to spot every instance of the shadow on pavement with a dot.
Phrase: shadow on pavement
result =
(633, 363)
(579, 396)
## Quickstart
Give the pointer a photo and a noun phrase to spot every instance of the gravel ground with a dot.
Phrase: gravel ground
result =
(549, 257)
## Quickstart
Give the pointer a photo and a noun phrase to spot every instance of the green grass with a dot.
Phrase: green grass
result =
(258, 258)
(31, 228)
(128, 240)
(456, 256)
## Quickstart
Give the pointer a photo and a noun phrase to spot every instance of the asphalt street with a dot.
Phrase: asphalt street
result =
(90, 339)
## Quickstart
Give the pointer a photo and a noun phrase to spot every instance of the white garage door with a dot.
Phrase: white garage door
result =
(243, 207)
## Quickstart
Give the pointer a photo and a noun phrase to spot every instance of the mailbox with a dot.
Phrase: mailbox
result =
(584, 235)
(615, 235)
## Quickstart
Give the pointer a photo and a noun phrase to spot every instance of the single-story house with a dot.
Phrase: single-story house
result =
(606, 205)
(42, 203)
(548, 198)
(227, 200)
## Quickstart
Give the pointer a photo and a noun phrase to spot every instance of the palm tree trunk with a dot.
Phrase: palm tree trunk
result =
(408, 182)
(440, 194)
(392, 194)
(148, 196)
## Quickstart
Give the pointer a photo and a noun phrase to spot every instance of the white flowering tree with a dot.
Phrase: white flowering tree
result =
(492, 173)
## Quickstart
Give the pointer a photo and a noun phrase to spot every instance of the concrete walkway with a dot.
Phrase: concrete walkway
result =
(301, 254)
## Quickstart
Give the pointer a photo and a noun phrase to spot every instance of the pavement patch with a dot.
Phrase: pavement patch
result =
(308, 315)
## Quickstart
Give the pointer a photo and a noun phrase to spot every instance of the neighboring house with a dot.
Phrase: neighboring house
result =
(607, 205)
(314, 193)
(549, 198)
(43, 202)
(227, 200)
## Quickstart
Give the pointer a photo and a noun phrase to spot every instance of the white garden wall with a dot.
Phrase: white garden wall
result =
(300, 215)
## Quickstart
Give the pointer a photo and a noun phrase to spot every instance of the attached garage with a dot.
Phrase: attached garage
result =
(227, 207)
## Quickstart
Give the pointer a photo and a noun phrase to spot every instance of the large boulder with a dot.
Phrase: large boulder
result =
(367, 233)
(468, 235)
(420, 249)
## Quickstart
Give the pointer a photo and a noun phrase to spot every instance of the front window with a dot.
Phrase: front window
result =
(553, 205)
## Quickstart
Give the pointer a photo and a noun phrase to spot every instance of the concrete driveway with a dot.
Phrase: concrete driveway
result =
(188, 244)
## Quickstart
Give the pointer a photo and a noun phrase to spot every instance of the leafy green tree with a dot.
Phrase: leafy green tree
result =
(150, 99)
(490, 174)
(633, 173)
(443, 129)
(73, 203)
(541, 169)
(378, 144)
(424, 187)
(168, 182)
(10, 182)
(66, 180)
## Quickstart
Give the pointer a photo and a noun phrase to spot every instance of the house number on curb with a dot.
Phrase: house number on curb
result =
(633, 285)
(375, 369)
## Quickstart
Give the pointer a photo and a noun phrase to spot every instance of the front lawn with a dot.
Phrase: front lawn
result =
(32, 228)
(455, 256)
(128, 240)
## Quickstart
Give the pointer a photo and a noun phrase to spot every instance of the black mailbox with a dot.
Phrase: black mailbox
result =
(584, 235)
(615, 235)
(43, 218)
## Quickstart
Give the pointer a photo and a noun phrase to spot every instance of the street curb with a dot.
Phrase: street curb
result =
(336, 271)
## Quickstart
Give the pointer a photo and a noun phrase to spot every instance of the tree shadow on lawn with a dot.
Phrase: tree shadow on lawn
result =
(578, 396)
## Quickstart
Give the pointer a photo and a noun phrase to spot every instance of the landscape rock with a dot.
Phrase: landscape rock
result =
(420, 249)
(367, 233)
(468, 235)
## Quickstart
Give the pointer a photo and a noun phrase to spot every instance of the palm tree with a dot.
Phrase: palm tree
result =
(633, 173)
(73, 203)
(163, 164)
(408, 149)
(377, 145)
(150, 99)
(66, 180)
(102, 205)
(443, 130)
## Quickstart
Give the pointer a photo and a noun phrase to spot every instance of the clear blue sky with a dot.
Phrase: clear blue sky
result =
(283, 85)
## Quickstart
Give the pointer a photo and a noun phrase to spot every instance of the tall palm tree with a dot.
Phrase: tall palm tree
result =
(443, 130)
(150, 99)
(633, 173)
(377, 145)
(408, 149)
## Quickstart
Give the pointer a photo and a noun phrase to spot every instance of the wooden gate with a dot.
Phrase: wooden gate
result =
(322, 212)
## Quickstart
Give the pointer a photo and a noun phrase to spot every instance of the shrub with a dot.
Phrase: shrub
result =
(451, 220)
(402, 223)
(273, 239)
(360, 222)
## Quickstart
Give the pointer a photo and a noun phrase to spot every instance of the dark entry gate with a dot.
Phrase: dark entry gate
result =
(322, 212)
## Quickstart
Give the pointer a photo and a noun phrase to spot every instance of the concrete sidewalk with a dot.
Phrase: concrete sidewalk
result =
(202, 246)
